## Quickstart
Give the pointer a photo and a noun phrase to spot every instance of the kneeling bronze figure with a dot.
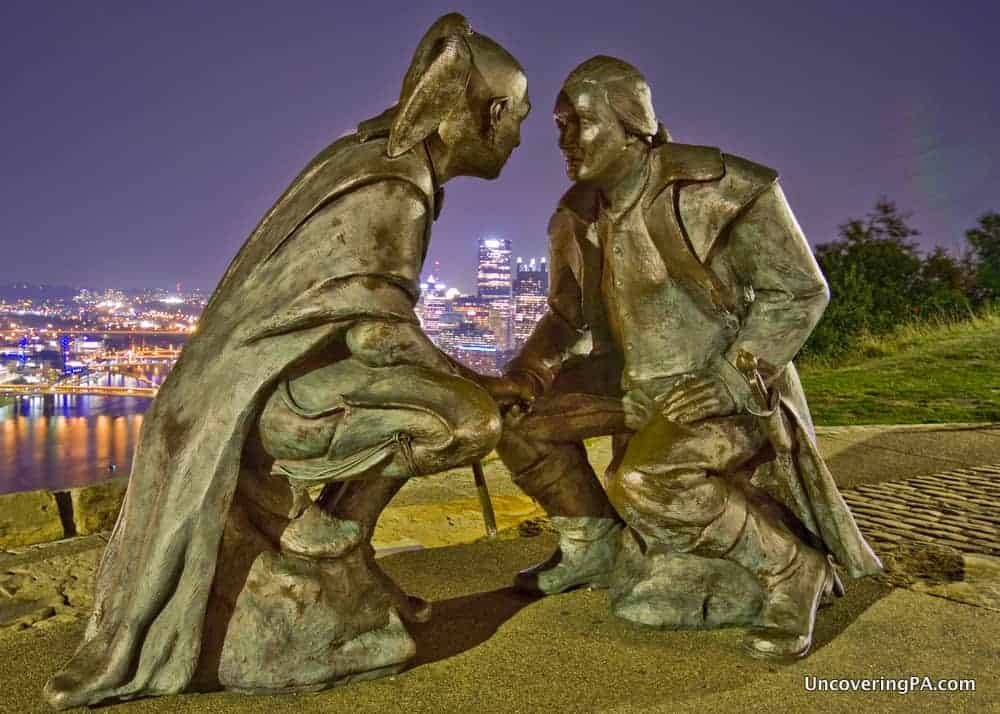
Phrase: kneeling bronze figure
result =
(308, 369)
(681, 289)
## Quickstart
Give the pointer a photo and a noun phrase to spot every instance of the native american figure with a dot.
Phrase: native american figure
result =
(308, 369)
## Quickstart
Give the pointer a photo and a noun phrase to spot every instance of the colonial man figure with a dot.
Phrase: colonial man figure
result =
(681, 289)
(308, 368)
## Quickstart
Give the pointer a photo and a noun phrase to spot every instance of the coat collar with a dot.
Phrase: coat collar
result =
(672, 162)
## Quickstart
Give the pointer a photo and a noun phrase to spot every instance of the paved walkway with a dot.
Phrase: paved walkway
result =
(488, 650)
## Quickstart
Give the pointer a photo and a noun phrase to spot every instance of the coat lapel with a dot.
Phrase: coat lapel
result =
(684, 163)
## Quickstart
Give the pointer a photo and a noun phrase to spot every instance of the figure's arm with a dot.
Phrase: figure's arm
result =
(789, 290)
(770, 252)
(381, 229)
(385, 343)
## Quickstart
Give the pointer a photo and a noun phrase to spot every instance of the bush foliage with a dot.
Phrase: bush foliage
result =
(879, 280)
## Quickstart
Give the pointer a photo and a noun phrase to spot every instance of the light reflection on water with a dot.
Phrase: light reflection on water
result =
(59, 441)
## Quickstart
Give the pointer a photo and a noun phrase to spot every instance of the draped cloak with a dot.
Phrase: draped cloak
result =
(288, 292)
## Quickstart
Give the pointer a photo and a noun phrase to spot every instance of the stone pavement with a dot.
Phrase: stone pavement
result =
(959, 508)
(926, 497)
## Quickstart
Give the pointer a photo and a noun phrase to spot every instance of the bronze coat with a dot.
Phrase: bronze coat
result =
(288, 292)
(757, 265)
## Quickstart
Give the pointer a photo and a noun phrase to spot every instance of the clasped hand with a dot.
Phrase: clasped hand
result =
(509, 391)
(690, 401)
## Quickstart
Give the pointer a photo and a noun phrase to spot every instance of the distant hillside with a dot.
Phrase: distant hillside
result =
(19, 291)
(920, 374)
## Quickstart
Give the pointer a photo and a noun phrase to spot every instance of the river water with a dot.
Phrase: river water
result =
(60, 441)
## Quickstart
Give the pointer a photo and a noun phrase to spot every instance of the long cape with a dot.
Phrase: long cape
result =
(277, 301)
(802, 476)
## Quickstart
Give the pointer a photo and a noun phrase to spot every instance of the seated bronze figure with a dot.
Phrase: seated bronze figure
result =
(681, 289)
(308, 369)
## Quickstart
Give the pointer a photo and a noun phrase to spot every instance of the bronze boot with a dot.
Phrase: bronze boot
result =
(585, 556)
(361, 502)
(793, 575)
(564, 484)
(792, 596)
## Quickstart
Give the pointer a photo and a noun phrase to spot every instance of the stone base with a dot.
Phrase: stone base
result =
(680, 590)
(29, 517)
(283, 623)
(96, 507)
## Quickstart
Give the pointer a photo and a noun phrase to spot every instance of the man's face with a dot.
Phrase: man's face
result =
(506, 119)
(590, 135)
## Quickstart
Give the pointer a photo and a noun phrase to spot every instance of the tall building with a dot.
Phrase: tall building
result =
(494, 282)
(470, 344)
(433, 303)
(531, 289)
(473, 309)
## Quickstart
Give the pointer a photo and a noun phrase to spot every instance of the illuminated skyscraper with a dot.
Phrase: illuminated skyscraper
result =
(531, 289)
(433, 303)
(473, 309)
(470, 344)
(494, 281)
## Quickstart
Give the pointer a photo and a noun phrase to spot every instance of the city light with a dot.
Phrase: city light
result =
(484, 330)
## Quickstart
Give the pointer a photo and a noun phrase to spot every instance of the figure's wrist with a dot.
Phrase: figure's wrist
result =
(735, 384)
(527, 379)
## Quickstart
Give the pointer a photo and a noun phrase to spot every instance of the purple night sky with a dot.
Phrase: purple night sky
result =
(143, 141)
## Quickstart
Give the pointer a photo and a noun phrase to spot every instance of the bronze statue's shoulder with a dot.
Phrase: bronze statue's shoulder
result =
(355, 159)
(708, 207)
(672, 162)
(745, 178)
(346, 164)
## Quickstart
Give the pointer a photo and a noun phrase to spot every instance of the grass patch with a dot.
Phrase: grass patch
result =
(926, 373)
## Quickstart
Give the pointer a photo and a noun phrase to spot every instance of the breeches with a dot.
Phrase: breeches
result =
(544, 450)
(672, 481)
(666, 481)
(337, 413)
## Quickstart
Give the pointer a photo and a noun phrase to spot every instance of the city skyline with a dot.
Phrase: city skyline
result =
(484, 330)
(129, 163)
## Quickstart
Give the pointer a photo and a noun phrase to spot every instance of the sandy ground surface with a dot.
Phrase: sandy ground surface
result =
(488, 649)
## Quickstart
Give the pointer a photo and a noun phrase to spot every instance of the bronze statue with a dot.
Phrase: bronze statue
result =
(308, 369)
(681, 289)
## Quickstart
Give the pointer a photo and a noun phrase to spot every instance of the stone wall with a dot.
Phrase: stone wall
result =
(32, 517)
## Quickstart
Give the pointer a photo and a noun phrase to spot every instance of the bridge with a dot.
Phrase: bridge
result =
(41, 390)
(94, 377)
(136, 357)
(130, 364)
